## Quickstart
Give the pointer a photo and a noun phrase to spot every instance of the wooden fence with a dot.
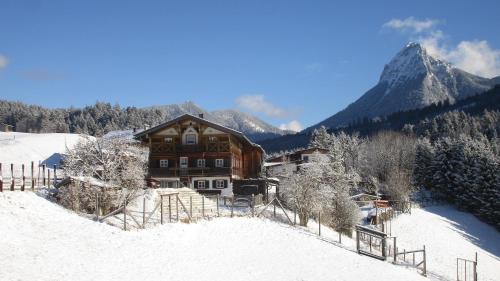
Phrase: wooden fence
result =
(467, 269)
(23, 177)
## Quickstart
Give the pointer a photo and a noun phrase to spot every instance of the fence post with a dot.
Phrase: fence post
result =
(177, 206)
(32, 176)
(218, 195)
(97, 206)
(294, 216)
(319, 223)
(232, 205)
(357, 240)
(1, 178)
(48, 178)
(475, 268)
(23, 178)
(43, 173)
(161, 209)
(55, 174)
(340, 237)
(124, 214)
(253, 205)
(169, 208)
(425, 263)
(143, 211)
(274, 207)
(191, 206)
(395, 250)
(203, 206)
(12, 176)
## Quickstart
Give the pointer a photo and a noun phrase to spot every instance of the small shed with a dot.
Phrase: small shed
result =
(6, 127)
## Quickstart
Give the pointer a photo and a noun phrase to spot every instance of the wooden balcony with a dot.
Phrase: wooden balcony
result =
(188, 172)
(170, 148)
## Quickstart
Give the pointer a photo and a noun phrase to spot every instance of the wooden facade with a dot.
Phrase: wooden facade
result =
(194, 152)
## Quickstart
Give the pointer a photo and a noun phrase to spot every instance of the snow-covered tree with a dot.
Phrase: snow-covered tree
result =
(118, 165)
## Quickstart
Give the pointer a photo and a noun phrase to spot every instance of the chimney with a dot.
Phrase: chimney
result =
(146, 127)
(200, 115)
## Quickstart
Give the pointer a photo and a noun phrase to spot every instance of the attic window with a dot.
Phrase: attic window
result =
(168, 140)
(212, 139)
(190, 138)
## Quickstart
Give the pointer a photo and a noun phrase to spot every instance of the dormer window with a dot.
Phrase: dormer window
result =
(190, 138)
(168, 140)
(212, 139)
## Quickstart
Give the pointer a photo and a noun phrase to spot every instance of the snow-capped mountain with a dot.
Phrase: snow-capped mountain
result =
(412, 79)
(251, 126)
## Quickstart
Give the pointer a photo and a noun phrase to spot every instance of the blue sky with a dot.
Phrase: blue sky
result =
(283, 61)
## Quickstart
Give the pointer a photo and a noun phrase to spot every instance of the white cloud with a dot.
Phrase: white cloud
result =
(3, 61)
(257, 103)
(293, 125)
(411, 24)
(476, 57)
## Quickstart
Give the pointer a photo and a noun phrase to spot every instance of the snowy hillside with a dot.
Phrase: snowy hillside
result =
(447, 234)
(22, 148)
(43, 241)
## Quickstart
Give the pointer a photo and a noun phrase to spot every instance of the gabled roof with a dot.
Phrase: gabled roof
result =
(238, 134)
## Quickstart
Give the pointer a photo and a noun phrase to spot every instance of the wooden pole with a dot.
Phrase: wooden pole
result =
(218, 214)
(294, 216)
(1, 178)
(475, 268)
(43, 173)
(96, 206)
(191, 206)
(203, 206)
(232, 205)
(274, 208)
(253, 205)
(161, 209)
(12, 176)
(23, 177)
(55, 174)
(319, 223)
(357, 240)
(48, 178)
(177, 206)
(143, 211)
(32, 175)
(425, 263)
(395, 250)
(169, 208)
(125, 215)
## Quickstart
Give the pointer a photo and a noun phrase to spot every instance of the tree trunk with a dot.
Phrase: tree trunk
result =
(304, 218)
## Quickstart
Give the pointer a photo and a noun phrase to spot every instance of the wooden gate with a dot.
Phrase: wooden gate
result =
(374, 242)
(466, 269)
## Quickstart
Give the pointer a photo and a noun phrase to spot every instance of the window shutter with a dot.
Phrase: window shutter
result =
(225, 183)
(207, 184)
(214, 183)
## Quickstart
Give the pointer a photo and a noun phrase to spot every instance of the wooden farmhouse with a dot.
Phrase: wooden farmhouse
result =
(190, 151)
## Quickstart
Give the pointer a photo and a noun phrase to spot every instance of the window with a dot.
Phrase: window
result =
(201, 184)
(184, 162)
(212, 139)
(163, 163)
(305, 158)
(201, 163)
(168, 184)
(219, 163)
(190, 138)
(168, 140)
(219, 184)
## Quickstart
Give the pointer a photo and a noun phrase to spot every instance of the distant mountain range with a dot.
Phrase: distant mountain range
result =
(412, 79)
(253, 127)
(102, 118)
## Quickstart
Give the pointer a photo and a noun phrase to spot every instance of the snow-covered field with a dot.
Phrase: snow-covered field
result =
(447, 234)
(43, 241)
(22, 148)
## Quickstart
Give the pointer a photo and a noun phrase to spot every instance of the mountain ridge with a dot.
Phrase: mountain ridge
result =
(412, 79)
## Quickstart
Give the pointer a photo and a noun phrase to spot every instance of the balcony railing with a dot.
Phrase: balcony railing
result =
(184, 172)
(169, 148)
